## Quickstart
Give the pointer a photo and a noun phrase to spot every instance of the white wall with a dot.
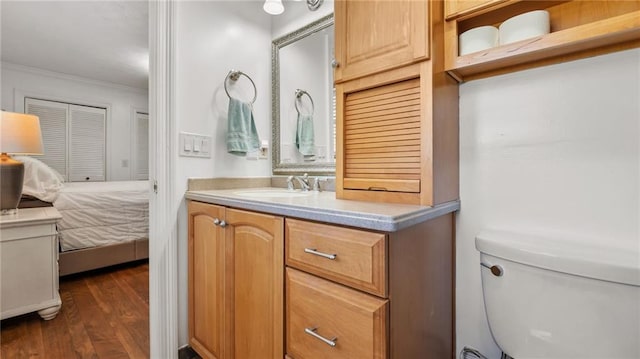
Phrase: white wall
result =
(556, 149)
(213, 37)
(297, 15)
(19, 81)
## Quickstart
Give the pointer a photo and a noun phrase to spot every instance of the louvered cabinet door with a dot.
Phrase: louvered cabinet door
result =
(53, 124)
(87, 150)
(381, 129)
(74, 138)
(382, 138)
(141, 146)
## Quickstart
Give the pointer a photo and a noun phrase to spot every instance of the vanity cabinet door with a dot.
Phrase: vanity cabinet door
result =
(206, 280)
(328, 320)
(378, 35)
(236, 270)
(255, 277)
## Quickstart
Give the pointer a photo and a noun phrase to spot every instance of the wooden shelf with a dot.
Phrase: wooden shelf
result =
(569, 42)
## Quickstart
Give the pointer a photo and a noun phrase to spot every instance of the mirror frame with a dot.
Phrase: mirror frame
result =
(278, 168)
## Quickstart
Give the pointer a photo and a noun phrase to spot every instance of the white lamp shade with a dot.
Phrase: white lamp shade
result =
(20, 134)
(273, 7)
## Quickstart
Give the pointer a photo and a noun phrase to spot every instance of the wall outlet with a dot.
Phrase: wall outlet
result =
(263, 153)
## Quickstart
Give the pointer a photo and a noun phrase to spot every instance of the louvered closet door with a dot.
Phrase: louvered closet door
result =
(382, 138)
(87, 143)
(53, 124)
(141, 146)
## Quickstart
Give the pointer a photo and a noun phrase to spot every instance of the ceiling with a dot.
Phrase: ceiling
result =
(100, 40)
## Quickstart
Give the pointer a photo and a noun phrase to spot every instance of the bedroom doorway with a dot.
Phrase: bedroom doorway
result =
(74, 72)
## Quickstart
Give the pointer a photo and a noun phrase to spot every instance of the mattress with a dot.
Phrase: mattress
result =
(102, 213)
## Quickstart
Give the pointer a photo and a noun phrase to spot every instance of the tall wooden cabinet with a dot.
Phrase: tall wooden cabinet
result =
(397, 109)
(235, 283)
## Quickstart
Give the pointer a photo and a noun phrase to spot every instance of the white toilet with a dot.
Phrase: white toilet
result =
(560, 299)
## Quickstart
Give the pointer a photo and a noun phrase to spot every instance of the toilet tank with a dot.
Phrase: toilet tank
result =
(561, 298)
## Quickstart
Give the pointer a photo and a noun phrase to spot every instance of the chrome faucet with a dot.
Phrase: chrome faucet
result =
(303, 180)
(290, 183)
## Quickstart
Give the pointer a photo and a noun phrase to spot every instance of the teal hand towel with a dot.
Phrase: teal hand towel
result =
(242, 136)
(304, 135)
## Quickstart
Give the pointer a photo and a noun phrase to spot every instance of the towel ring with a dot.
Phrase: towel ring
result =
(299, 94)
(234, 75)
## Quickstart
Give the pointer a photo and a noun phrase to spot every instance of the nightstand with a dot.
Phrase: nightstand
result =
(29, 263)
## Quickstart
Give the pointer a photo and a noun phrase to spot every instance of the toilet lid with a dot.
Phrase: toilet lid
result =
(616, 262)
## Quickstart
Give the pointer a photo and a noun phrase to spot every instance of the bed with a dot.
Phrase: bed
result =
(103, 223)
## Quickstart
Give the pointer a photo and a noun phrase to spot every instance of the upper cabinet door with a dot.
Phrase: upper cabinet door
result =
(454, 8)
(378, 35)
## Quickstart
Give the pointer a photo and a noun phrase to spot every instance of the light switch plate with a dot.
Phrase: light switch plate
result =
(195, 145)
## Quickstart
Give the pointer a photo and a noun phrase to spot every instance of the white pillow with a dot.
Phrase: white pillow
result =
(40, 180)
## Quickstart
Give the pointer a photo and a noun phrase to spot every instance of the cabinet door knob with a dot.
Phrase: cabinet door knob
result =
(324, 255)
(216, 221)
(335, 64)
(312, 331)
(223, 224)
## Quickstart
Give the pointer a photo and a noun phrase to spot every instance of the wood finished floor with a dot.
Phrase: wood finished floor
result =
(104, 314)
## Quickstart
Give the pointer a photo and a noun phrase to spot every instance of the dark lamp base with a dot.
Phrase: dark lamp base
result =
(11, 180)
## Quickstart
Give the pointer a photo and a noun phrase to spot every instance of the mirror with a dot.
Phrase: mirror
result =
(303, 93)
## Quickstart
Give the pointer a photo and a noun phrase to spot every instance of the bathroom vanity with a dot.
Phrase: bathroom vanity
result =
(276, 274)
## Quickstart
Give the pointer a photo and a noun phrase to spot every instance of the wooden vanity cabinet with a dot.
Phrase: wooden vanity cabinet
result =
(236, 265)
(579, 28)
(397, 127)
(332, 309)
(379, 35)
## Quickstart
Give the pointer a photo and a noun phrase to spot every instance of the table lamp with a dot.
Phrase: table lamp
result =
(19, 134)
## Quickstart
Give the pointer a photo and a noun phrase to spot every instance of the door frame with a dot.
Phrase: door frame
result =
(163, 234)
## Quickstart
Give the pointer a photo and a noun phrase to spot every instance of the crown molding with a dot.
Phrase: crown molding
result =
(67, 77)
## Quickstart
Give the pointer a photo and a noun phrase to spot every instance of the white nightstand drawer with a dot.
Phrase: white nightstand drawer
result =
(33, 231)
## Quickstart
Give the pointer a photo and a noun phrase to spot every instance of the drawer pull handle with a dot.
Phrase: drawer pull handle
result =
(325, 255)
(312, 332)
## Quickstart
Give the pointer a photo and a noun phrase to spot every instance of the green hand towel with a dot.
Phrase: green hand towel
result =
(242, 136)
(304, 135)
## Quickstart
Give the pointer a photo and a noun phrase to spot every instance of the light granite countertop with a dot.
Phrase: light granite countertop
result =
(324, 207)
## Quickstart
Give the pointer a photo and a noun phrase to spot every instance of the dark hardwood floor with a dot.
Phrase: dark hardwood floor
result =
(104, 314)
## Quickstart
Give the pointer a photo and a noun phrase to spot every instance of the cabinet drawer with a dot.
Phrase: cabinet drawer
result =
(355, 322)
(349, 256)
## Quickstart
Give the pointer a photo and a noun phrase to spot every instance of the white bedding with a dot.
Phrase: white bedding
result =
(102, 213)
